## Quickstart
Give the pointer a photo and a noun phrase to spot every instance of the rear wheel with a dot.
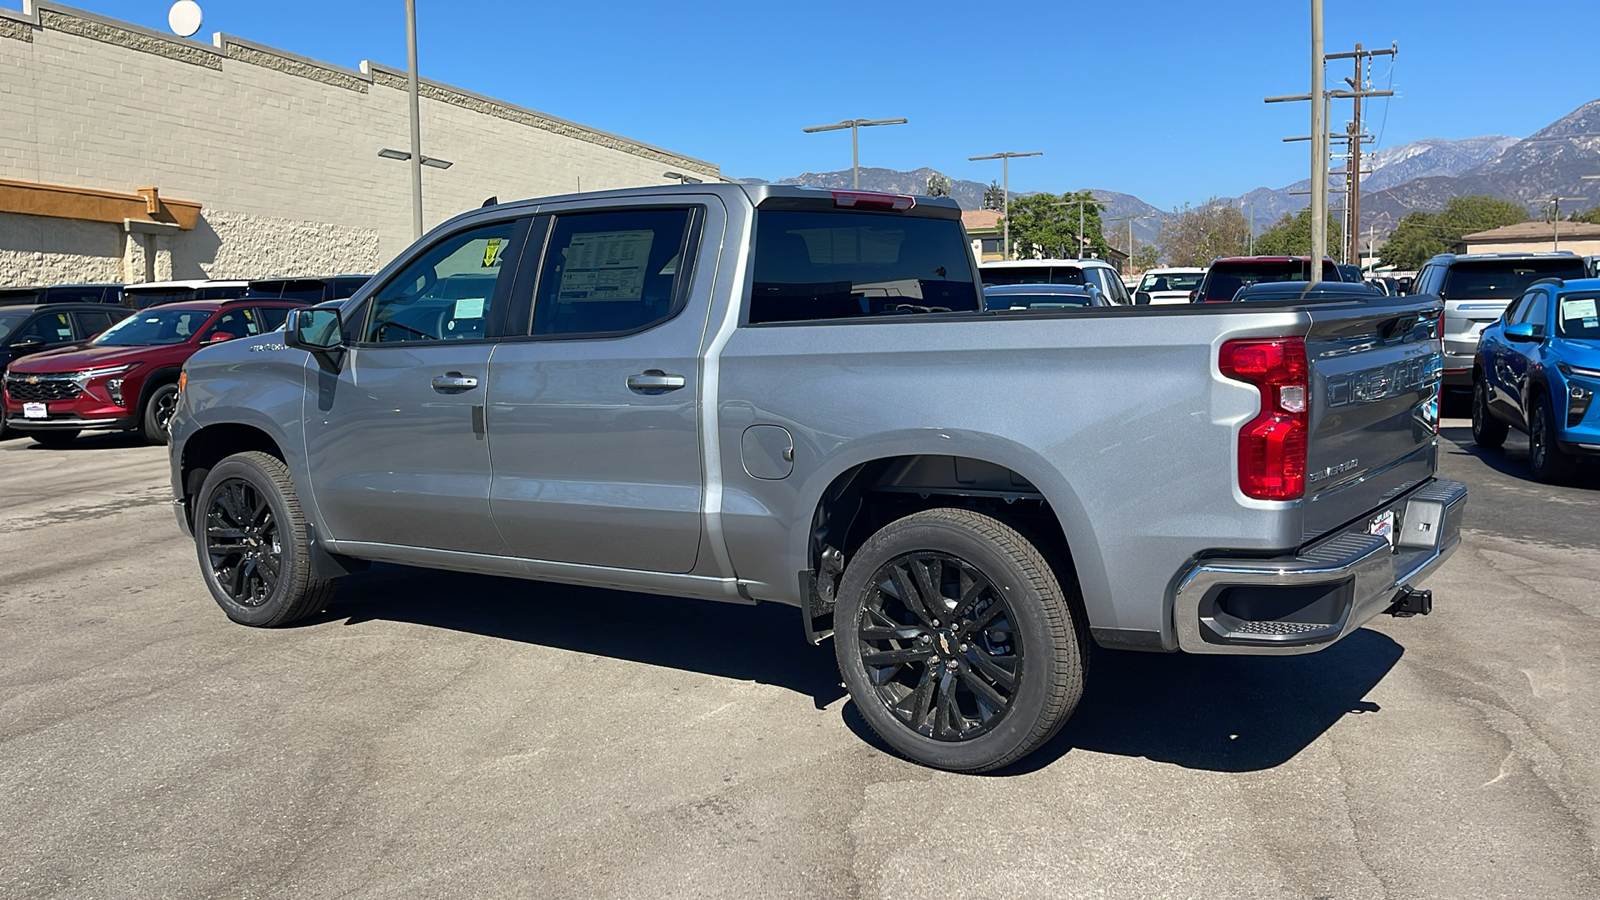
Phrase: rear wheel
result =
(956, 641)
(251, 537)
(54, 438)
(1487, 431)
(157, 420)
(1549, 462)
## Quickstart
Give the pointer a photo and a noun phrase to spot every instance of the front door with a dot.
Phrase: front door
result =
(395, 437)
(593, 412)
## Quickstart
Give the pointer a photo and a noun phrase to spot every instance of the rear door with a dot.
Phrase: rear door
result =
(1374, 405)
(395, 437)
(593, 413)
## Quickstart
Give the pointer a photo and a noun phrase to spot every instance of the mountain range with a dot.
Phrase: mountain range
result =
(1422, 175)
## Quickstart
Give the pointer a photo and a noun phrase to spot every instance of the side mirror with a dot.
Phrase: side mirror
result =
(1522, 333)
(28, 345)
(1141, 298)
(219, 337)
(318, 329)
(1193, 295)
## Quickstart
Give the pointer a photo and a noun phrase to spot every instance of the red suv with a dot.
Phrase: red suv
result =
(127, 377)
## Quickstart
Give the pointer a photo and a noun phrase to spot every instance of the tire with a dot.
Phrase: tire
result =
(54, 438)
(158, 410)
(251, 538)
(1549, 462)
(961, 694)
(1487, 431)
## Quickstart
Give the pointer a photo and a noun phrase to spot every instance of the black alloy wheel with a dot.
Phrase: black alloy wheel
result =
(242, 543)
(940, 646)
(1487, 431)
(159, 409)
(1549, 462)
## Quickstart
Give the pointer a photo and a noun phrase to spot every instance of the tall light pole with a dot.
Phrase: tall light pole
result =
(1005, 190)
(1130, 220)
(416, 119)
(855, 126)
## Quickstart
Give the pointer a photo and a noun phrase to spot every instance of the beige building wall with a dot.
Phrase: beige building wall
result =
(280, 151)
(1581, 247)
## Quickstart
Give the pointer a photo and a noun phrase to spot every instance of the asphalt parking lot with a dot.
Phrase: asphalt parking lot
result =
(438, 735)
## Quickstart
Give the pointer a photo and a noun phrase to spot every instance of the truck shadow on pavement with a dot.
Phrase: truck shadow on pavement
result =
(1220, 713)
(762, 643)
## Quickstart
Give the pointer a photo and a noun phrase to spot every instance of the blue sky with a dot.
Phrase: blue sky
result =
(1159, 98)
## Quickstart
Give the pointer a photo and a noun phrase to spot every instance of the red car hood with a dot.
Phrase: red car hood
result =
(80, 358)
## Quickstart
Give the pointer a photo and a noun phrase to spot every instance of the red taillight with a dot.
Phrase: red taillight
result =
(869, 200)
(1272, 446)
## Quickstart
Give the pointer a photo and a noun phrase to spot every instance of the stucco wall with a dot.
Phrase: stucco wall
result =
(280, 151)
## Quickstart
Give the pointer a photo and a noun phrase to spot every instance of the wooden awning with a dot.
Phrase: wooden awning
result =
(87, 205)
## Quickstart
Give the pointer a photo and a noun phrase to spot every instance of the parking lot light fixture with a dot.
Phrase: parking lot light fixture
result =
(855, 126)
(426, 160)
(1005, 192)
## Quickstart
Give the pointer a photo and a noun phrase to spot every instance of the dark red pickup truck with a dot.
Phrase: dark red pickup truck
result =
(126, 378)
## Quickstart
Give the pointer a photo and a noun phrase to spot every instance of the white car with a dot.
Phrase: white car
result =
(1171, 285)
(1091, 273)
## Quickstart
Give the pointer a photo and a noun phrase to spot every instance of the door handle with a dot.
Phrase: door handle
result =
(655, 381)
(453, 383)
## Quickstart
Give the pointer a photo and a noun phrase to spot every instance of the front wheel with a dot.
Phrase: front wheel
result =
(252, 540)
(956, 641)
(1487, 431)
(1549, 462)
(156, 423)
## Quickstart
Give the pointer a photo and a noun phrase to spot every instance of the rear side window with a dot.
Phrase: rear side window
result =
(813, 265)
(612, 272)
(1495, 279)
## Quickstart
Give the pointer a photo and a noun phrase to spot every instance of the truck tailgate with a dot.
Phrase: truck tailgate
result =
(1374, 407)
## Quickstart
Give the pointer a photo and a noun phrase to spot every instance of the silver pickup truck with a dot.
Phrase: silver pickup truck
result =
(775, 394)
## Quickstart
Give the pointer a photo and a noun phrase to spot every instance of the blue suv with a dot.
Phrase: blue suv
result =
(1537, 369)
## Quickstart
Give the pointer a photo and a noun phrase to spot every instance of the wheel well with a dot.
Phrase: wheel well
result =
(864, 499)
(155, 380)
(213, 444)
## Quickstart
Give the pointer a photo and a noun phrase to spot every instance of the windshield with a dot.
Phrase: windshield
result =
(155, 297)
(1577, 318)
(1503, 279)
(839, 265)
(1226, 278)
(154, 326)
(1171, 281)
(9, 323)
(1042, 274)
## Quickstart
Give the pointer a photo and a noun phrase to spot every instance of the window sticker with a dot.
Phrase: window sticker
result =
(491, 253)
(469, 308)
(605, 265)
(1578, 309)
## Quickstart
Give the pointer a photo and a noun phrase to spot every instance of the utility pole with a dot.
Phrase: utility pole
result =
(1130, 220)
(1080, 203)
(1319, 98)
(855, 126)
(1005, 191)
(1358, 86)
(1555, 230)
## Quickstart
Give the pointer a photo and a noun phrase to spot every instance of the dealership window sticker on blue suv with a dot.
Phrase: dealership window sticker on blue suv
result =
(1579, 309)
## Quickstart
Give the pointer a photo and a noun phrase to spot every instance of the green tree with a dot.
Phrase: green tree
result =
(938, 185)
(1194, 236)
(1047, 225)
(994, 196)
(1291, 235)
(1592, 216)
(1146, 256)
(1421, 235)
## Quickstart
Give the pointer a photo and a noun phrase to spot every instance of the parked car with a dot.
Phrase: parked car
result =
(127, 377)
(1096, 272)
(62, 293)
(1476, 288)
(1306, 292)
(1042, 296)
(308, 290)
(26, 330)
(1226, 276)
(1175, 284)
(1351, 273)
(1537, 369)
(770, 393)
(157, 293)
